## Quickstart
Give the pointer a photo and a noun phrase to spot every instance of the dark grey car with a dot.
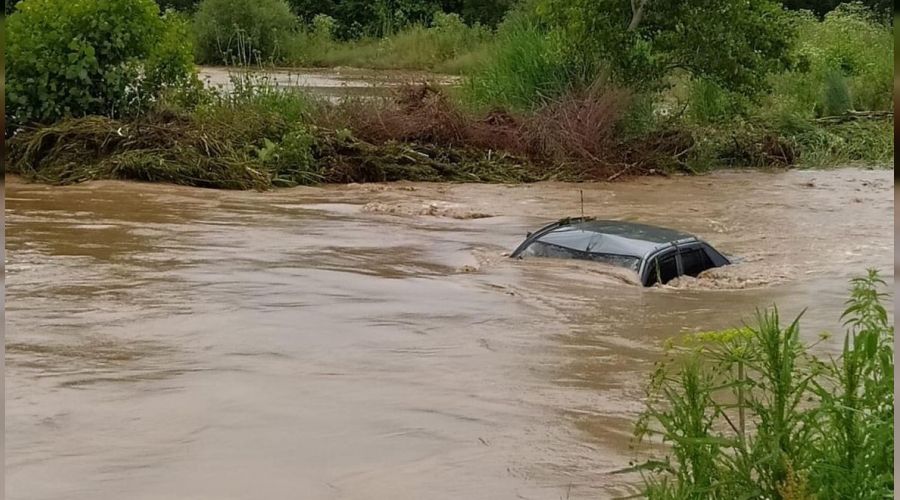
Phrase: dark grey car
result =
(656, 254)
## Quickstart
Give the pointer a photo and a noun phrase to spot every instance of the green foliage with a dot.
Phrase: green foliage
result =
(840, 65)
(105, 57)
(323, 27)
(836, 94)
(709, 103)
(242, 33)
(178, 5)
(528, 65)
(640, 118)
(292, 158)
(485, 12)
(643, 41)
(363, 18)
(170, 64)
(882, 8)
(752, 413)
(415, 47)
(856, 460)
(856, 142)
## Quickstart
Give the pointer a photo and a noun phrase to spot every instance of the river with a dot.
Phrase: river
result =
(372, 341)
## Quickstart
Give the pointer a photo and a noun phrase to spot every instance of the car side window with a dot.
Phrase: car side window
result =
(663, 269)
(694, 261)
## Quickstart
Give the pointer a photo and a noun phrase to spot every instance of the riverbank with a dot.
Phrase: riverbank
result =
(260, 134)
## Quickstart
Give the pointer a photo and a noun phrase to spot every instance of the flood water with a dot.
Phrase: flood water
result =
(371, 341)
(331, 83)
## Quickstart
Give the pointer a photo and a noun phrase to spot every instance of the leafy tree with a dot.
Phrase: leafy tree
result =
(179, 5)
(882, 8)
(486, 12)
(357, 18)
(109, 57)
(732, 43)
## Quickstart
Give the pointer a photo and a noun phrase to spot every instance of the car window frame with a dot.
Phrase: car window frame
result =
(715, 257)
(660, 253)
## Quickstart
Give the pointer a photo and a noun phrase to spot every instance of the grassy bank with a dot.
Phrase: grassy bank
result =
(824, 99)
(259, 137)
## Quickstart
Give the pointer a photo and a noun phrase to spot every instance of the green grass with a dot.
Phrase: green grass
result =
(524, 69)
(754, 413)
(447, 46)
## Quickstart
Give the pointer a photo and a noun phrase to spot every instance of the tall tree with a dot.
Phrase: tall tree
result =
(882, 8)
(733, 43)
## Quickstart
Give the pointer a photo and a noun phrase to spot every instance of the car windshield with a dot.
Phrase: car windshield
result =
(541, 249)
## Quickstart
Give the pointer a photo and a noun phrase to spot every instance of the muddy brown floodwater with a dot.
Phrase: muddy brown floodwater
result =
(331, 83)
(371, 341)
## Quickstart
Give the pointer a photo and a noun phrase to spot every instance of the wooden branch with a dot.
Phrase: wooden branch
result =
(637, 13)
(855, 115)
(620, 172)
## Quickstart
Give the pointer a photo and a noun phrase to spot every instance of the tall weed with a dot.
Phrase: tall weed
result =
(527, 67)
(842, 63)
(753, 413)
(417, 46)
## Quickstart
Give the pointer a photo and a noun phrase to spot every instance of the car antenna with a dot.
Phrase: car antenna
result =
(582, 202)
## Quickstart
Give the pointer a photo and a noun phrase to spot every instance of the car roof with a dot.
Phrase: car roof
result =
(610, 236)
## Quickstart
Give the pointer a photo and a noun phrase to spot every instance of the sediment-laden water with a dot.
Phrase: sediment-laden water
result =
(331, 83)
(372, 341)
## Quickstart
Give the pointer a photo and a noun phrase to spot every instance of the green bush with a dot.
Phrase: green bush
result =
(292, 159)
(709, 103)
(66, 58)
(841, 63)
(753, 413)
(242, 33)
(323, 27)
(836, 98)
(170, 66)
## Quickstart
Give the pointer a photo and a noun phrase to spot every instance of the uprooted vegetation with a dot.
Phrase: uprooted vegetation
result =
(257, 138)
(183, 151)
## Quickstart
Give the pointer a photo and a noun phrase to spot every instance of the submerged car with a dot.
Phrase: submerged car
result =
(656, 254)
